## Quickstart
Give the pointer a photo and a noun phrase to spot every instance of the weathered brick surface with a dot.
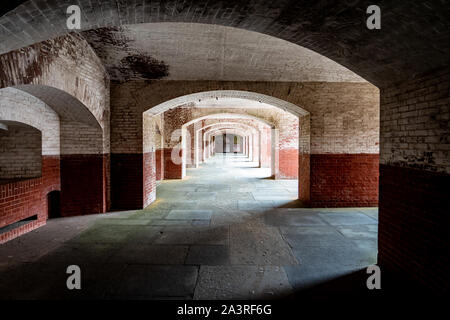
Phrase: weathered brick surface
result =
(159, 164)
(149, 183)
(127, 181)
(173, 170)
(51, 173)
(26, 198)
(304, 178)
(343, 118)
(190, 147)
(413, 225)
(18, 106)
(20, 152)
(288, 164)
(68, 64)
(82, 184)
(80, 138)
(414, 180)
(344, 180)
(22, 199)
(334, 30)
(415, 123)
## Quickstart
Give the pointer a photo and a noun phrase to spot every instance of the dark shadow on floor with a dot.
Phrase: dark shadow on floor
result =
(294, 204)
(352, 287)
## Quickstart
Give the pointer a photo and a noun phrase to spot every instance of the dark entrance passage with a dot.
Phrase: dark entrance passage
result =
(54, 204)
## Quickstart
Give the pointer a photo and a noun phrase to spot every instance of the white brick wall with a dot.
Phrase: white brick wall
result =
(20, 152)
(415, 127)
(16, 105)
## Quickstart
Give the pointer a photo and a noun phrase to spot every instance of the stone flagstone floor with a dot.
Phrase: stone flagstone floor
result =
(224, 232)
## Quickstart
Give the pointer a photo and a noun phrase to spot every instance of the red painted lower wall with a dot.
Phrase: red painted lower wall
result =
(172, 170)
(149, 179)
(344, 180)
(82, 184)
(22, 199)
(288, 164)
(304, 171)
(159, 163)
(51, 173)
(413, 226)
(106, 182)
(126, 181)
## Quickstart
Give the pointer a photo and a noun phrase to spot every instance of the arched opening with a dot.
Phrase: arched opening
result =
(201, 153)
(31, 144)
(70, 154)
(262, 140)
(184, 122)
(81, 153)
(54, 204)
(21, 177)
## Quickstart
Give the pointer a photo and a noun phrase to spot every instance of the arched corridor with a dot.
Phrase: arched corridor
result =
(224, 149)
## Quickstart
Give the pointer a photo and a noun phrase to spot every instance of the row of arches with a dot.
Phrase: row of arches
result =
(190, 122)
(72, 150)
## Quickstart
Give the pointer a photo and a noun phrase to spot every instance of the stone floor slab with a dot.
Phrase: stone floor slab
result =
(347, 218)
(190, 214)
(259, 246)
(147, 282)
(286, 217)
(242, 282)
(194, 235)
(208, 255)
(150, 254)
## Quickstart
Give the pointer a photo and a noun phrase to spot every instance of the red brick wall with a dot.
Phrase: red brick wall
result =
(20, 200)
(288, 164)
(171, 169)
(159, 162)
(304, 178)
(344, 180)
(23, 199)
(82, 184)
(413, 225)
(51, 173)
(106, 182)
(149, 179)
(126, 181)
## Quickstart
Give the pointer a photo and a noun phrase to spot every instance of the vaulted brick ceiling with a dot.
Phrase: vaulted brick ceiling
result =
(188, 51)
(414, 37)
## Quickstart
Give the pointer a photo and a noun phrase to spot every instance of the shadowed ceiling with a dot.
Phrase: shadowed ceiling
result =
(414, 36)
(188, 51)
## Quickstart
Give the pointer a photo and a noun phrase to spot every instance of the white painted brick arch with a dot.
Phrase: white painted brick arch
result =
(250, 99)
(16, 105)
